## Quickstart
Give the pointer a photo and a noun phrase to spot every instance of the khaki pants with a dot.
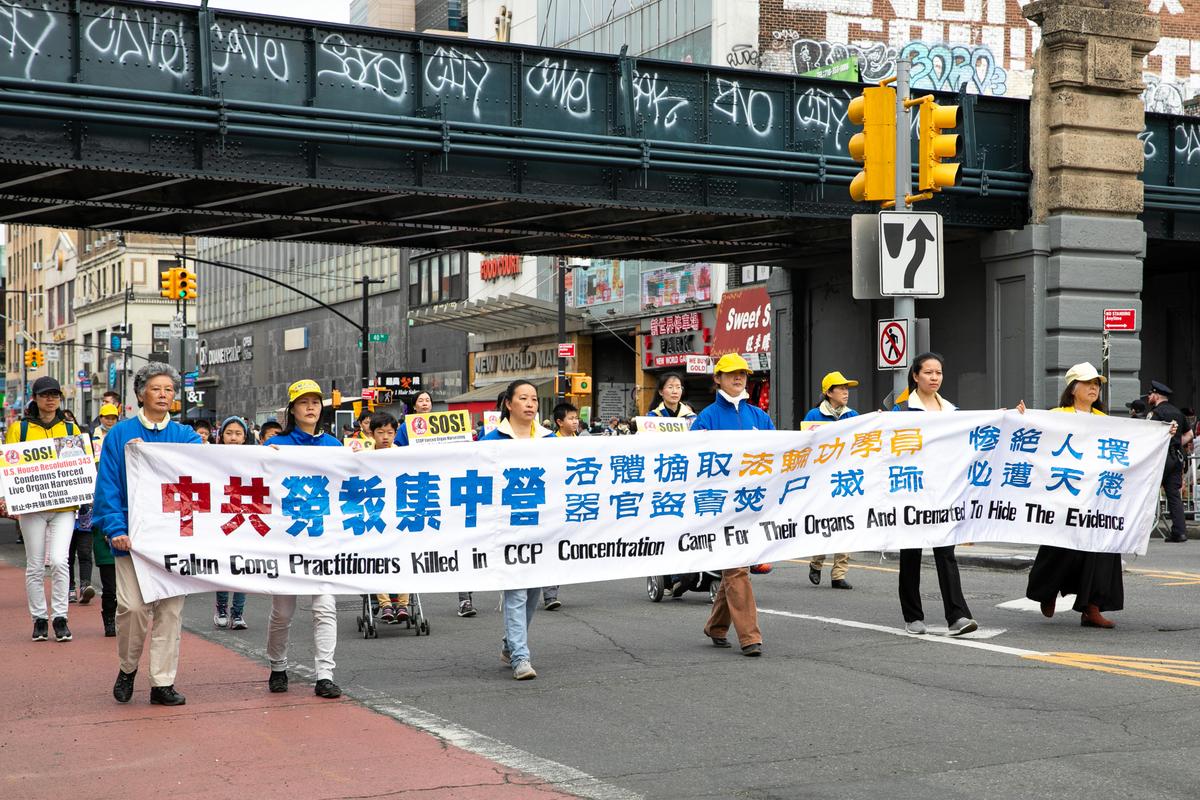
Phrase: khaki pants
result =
(841, 565)
(735, 604)
(133, 622)
(386, 599)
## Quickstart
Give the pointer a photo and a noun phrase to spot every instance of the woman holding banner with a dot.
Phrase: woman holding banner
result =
(924, 380)
(47, 534)
(155, 386)
(1094, 578)
(670, 394)
(518, 408)
(305, 402)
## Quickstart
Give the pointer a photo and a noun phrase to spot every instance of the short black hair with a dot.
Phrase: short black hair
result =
(111, 393)
(269, 425)
(562, 409)
(366, 414)
(200, 423)
(382, 419)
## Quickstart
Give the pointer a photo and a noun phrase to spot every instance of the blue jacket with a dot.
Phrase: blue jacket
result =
(299, 438)
(722, 416)
(815, 415)
(111, 510)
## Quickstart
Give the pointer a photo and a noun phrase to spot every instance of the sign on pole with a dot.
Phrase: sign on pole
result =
(893, 351)
(910, 254)
(566, 350)
(1120, 319)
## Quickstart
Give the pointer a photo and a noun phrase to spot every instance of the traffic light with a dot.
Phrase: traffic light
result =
(875, 146)
(580, 384)
(935, 145)
(187, 285)
(170, 283)
(31, 358)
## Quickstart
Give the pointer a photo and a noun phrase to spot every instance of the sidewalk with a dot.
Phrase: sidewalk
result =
(62, 734)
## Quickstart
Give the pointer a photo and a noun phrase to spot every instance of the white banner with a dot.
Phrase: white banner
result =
(48, 473)
(505, 514)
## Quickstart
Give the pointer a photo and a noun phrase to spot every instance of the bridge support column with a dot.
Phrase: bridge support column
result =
(784, 412)
(1049, 283)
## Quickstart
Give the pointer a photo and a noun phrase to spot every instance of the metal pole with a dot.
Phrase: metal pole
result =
(128, 350)
(902, 307)
(1104, 352)
(183, 403)
(561, 264)
(364, 352)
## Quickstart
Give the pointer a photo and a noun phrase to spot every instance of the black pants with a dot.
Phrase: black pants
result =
(1172, 484)
(81, 550)
(910, 585)
(108, 590)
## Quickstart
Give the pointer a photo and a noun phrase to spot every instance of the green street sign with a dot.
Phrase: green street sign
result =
(377, 337)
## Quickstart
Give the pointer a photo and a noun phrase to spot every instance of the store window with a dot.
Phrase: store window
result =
(436, 278)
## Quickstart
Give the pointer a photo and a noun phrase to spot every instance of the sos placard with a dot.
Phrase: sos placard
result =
(438, 427)
(48, 473)
(663, 424)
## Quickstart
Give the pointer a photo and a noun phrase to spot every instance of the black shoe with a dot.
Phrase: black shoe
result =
(720, 641)
(553, 604)
(1178, 539)
(327, 688)
(466, 609)
(840, 583)
(86, 594)
(814, 576)
(123, 688)
(61, 632)
(166, 696)
(41, 630)
(110, 627)
(277, 683)
(752, 649)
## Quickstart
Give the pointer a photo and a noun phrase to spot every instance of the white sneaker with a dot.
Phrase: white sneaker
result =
(221, 618)
(523, 671)
(916, 627)
(963, 625)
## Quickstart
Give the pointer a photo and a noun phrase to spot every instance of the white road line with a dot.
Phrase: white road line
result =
(960, 641)
(1025, 604)
(560, 776)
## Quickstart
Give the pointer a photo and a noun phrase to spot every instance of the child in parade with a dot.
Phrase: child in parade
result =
(833, 406)
(393, 608)
(518, 408)
(232, 431)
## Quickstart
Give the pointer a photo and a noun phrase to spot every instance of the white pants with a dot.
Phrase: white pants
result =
(324, 610)
(161, 619)
(47, 536)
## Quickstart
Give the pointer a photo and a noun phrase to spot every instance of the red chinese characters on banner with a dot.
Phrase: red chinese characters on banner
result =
(246, 503)
(743, 322)
(186, 497)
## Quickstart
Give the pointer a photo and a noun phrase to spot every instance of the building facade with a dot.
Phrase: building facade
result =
(399, 15)
(28, 252)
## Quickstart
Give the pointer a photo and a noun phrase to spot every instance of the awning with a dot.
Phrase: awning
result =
(494, 315)
(491, 391)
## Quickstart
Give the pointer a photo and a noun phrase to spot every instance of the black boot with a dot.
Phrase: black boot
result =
(165, 696)
(110, 625)
(123, 688)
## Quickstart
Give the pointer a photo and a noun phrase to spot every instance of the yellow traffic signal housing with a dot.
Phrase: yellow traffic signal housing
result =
(875, 146)
(170, 283)
(31, 358)
(935, 144)
(187, 285)
(581, 384)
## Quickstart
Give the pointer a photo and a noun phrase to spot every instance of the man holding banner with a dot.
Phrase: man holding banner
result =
(155, 386)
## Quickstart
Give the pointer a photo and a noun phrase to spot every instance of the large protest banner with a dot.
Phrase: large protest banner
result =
(507, 514)
(45, 474)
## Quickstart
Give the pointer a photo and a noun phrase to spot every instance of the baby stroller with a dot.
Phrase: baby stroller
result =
(370, 612)
(658, 586)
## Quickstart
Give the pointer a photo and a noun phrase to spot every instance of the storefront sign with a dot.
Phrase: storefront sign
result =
(685, 283)
(517, 361)
(699, 365)
(743, 322)
(497, 267)
(675, 337)
(400, 382)
(239, 350)
(48, 473)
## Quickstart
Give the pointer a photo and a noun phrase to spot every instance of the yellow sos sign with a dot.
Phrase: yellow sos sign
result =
(438, 427)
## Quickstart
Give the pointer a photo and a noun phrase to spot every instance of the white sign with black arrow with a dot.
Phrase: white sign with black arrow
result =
(910, 254)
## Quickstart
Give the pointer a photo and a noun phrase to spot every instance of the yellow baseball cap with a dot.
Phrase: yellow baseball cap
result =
(109, 410)
(731, 362)
(301, 388)
(1084, 372)
(835, 379)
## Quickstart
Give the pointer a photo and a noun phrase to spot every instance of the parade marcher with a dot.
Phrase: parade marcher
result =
(204, 430)
(393, 608)
(833, 406)
(82, 545)
(924, 380)
(518, 408)
(109, 398)
(1159, 400)
(269, 430)
(303, 417)
(731, 411)
(670, 395)
(232, 431)
(566, 425)
(47, 534)
(155, 386)
(1094, 578)
(362, 433)
(102, 555)
(422, 404)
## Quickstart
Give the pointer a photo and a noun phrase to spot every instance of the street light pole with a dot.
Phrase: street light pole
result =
(562, 328)
(365, 343)
(902, 307)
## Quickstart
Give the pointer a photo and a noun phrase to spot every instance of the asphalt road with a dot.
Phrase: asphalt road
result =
(842, 705)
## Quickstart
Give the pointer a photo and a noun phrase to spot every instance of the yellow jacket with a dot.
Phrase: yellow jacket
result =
(1071, 410)
(33, 430)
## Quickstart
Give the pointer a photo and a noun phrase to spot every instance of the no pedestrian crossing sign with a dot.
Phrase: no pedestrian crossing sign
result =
(910, 254)
(893, 337)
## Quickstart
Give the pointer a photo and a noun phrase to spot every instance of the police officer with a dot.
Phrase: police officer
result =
(1159, 400)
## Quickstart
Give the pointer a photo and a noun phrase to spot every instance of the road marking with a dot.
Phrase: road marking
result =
(1025, 604)
(560, 776)
(1185, 673)
(854, 564)
(1173, 577)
